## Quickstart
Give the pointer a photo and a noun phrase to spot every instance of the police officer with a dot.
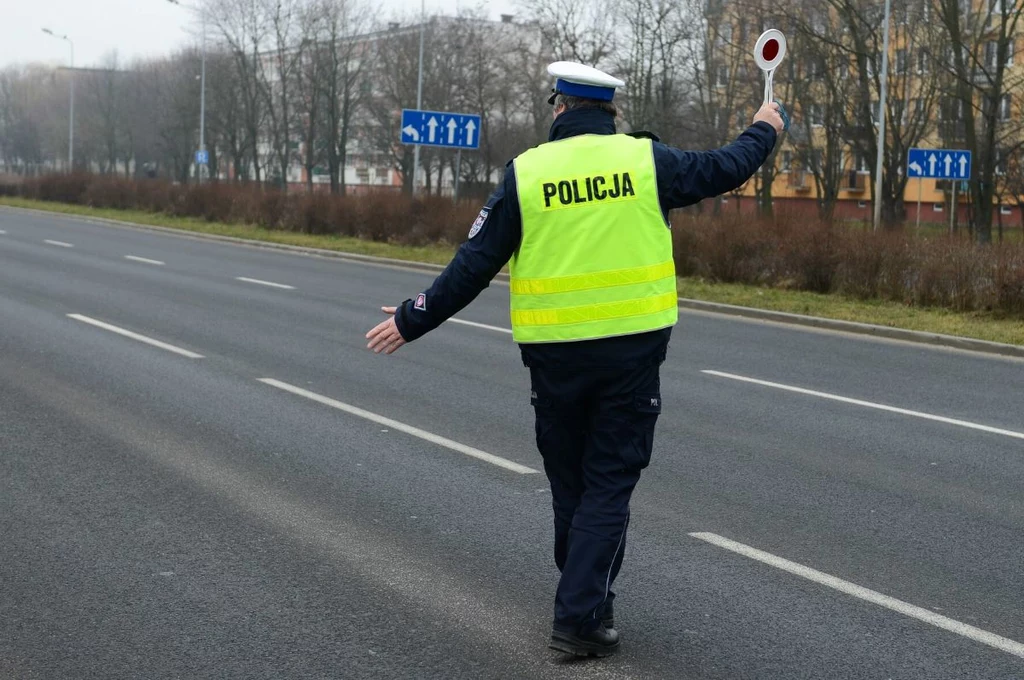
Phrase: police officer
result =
(584, 221)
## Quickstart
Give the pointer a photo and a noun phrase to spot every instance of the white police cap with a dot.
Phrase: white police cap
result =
(580, 80)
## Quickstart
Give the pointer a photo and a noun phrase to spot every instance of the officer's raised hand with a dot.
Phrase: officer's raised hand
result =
(773, 114)
(385, 336)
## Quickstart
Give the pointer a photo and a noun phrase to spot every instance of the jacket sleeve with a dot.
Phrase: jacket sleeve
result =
(493, 238)
(688, 177)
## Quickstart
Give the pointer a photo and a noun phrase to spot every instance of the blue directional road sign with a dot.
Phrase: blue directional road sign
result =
(939, 163)
(435, 128)
(202, 157)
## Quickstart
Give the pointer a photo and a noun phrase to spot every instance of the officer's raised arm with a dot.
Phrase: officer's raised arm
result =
(493, 237)
(688, 177)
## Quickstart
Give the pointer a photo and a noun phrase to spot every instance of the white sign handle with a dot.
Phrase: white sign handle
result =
(769, 52)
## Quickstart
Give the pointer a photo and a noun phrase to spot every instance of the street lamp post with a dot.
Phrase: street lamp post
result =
(419, 92)
(202, 89)
(881, 117)
(71, 116)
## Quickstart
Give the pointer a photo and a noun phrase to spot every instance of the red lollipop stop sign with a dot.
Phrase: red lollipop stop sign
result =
(769, 52)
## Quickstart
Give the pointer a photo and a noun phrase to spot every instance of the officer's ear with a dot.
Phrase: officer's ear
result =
(559, 110)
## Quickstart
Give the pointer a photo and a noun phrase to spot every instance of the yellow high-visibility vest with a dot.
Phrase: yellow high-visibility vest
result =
(595, 260)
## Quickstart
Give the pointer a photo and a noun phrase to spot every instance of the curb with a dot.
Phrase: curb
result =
(920, 337)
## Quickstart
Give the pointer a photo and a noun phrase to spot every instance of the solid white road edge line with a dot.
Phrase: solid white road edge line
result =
(265, 283)
(144, 260)
(871, 404)
(136, 336)
(62, 244)
(866, 594)
(402, 427)
(474, 324)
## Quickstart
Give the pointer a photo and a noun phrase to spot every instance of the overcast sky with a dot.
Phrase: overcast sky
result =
(136, 27)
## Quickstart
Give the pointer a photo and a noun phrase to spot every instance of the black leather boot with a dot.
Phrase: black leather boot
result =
(598, 642)
(608, 618)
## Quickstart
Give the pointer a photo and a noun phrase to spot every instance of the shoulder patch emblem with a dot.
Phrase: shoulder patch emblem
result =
(478, 224)
(421, 302)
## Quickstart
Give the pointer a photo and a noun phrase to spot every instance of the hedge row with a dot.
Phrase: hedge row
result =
(951, 272)
(787, 252)
(389, 217)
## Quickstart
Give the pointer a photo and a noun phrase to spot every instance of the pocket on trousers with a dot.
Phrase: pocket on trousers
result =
(646, 408)
(647, 403)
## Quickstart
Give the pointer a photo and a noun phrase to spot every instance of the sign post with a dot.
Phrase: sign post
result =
(953, 165)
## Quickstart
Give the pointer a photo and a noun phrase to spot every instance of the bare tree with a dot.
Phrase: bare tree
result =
(652, 61)
(576, 30)
(344, 54)
(243, 26)
(981, 37)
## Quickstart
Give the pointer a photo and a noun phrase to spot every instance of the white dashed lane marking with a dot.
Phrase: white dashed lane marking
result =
(135, 336)
(144, 260)
(62, 244)
(871, 404)
(866, 594)
(474, 324)
(402, 427)
(270, 284)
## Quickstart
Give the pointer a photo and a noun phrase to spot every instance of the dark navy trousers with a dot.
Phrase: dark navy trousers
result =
(595, 431)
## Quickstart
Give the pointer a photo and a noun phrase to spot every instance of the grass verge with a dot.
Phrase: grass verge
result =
(979, 325)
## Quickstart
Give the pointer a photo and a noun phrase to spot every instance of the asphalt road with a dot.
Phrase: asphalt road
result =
(260, 497)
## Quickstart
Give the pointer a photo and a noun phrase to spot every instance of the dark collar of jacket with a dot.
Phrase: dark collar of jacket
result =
(582, 122)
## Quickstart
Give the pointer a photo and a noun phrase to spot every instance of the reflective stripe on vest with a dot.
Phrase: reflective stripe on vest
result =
(595, 258)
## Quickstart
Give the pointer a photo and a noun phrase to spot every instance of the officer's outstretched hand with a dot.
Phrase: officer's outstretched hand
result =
(385, 336)
(772, 114)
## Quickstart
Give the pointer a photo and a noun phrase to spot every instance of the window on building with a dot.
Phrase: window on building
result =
(786, 162)
(817, 163)
(1005, 107)
(722, 78)
(1000, 162)
(919, 112)
(992, 54)
(816, 115)
(923, 59)
(938, 207)
(1005, 210)
(901, 61)
(724, 35)
(818, 21)
(862, 162)
(952, 109)
(900, 109)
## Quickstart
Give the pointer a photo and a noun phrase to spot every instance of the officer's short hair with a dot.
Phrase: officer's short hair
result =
(571, 103)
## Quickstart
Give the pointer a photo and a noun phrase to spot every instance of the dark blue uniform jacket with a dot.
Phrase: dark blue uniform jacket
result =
(684, 178)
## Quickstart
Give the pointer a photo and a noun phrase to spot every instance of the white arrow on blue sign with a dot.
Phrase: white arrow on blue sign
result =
(437, 128)
(939, 163)
(202, 157)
